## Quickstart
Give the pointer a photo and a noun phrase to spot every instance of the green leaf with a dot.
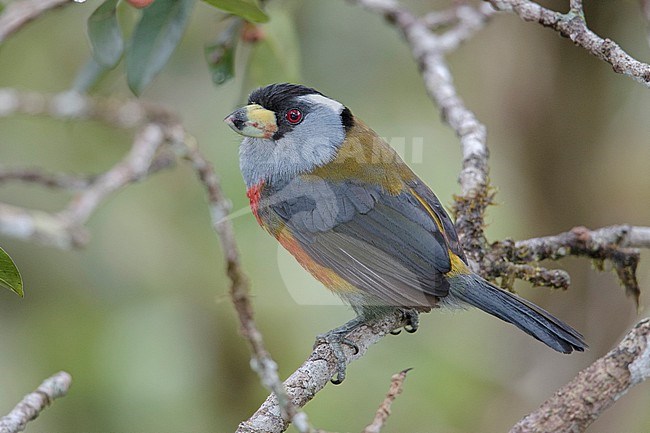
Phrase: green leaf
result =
(9, 274)
(220, 55)
(154, 39)
(250, 10)
(105, 34)
(88, 76)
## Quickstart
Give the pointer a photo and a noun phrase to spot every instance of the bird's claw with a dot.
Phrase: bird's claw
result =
(412, 319)
(335, 339)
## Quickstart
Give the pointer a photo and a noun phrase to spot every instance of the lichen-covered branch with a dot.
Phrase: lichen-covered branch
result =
(34, 403)
(572, 25)
(582, 241)
(581, 401)
(314, 374)
(617, 244)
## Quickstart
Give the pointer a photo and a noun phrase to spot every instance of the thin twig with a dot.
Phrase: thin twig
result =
(65, 229)
(617, 244)
(160, 130)
(428, 50)
(564, 244)
(134, 167)
(262, 363)
(383, 412)
(576, 7)
(132, 113)
(581, 401)
(34, 403)
(18, 13)
(50, 180)
(470, 20)
(573, 26)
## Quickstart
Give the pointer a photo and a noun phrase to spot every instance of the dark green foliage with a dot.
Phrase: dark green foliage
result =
(9, 274)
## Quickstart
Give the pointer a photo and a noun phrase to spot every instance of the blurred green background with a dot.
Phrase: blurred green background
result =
(141, 318)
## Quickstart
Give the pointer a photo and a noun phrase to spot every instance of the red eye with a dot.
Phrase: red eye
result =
(293, 116)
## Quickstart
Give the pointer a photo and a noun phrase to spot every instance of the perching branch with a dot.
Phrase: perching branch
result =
(580, 402)
(572, 25)
(314, 374)
(34, 403)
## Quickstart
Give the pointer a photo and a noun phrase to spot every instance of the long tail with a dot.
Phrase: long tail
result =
(533, 320)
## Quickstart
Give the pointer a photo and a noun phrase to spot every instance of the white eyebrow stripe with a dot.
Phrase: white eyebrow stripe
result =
(322, 100)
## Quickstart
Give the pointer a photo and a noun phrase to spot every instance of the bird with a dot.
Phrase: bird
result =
(354, 215)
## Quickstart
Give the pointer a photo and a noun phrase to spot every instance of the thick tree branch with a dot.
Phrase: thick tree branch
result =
(34, 403)
(572, 25)
(580, 402)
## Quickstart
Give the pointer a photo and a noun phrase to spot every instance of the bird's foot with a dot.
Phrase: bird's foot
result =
(411, 317)
(336, 338)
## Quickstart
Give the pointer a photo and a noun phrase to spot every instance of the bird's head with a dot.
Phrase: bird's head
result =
(289, 130)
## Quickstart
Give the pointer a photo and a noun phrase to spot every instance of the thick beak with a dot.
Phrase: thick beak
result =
(253, 121)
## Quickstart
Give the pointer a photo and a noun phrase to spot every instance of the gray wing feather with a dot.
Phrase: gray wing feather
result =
(385, 245)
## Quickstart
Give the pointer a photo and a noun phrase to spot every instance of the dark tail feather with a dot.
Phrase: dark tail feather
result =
(525, 315)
